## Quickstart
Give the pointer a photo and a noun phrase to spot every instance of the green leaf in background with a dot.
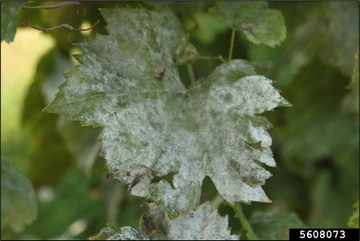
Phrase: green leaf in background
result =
(354, 219)
(328, 190)
(274, 224)
(300, 47)
(71, 201)
(260, 24)
(341, 35)
(18, 200)
(128, 83)
(208, 28)
(320, 142)
(49, 158)
(330, 137)
(10, 12)
(350, 102)
(316, 123)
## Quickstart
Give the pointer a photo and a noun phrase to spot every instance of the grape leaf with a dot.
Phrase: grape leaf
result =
(9, 19)
(260, 24)
(18, 200)
(201, 224)
(128, 83)
(123, 233)
(354, 219)
(350, 103)
(204, 224)
(339, 43)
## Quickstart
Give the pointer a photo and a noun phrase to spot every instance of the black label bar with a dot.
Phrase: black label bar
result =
(344, 234)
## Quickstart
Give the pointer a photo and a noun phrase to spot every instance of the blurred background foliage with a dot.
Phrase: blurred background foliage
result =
(315, 143)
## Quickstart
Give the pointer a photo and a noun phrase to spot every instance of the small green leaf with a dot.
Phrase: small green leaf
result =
(274, 225)
(10, 12)
(18, 200)
(260, 24)
(354, 219)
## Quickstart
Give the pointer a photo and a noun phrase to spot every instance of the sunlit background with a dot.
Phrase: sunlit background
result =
(18, 65)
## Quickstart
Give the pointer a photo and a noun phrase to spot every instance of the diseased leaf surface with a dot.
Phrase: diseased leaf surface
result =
(201, 224)
(260, 24)
(9, 19)
(18, 200)
(124, 233)
(128, 83)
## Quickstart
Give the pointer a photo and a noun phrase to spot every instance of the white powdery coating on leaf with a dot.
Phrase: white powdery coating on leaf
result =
(128, 233)
(248, 96)
(202, 224)
(128, 83)
(259, 134)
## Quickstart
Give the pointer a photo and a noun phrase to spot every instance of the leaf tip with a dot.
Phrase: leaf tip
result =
(267, 200)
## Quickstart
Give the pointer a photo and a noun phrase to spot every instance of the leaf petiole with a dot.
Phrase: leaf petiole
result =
(232, 42)
(190, 70)
(220, 58)
(244, 222)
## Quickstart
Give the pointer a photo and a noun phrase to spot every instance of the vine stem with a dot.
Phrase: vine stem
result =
(244, 222)
(220, 58)
(232, 42)
(190, 70)
(51, 6)
(64, 25)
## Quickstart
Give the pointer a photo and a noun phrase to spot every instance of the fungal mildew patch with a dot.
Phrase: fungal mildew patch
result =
(128, 83)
